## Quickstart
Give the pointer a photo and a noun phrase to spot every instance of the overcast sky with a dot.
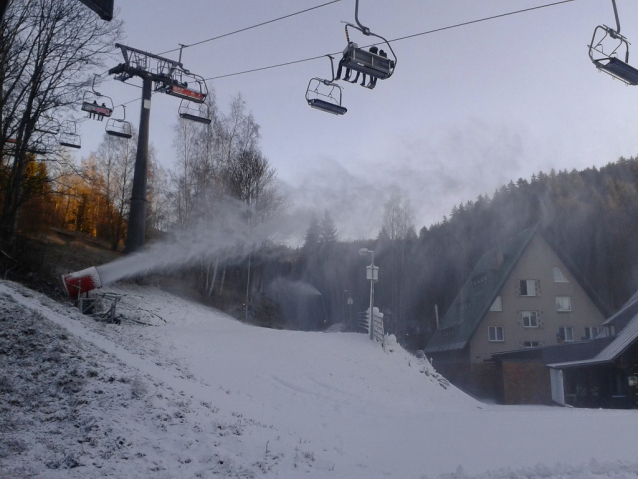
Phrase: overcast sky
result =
(467, 110)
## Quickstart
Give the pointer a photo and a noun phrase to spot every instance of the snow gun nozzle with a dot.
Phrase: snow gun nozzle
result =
(81, 282)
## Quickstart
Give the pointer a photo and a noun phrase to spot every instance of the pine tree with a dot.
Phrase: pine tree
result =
(313, 234)
(328, 230)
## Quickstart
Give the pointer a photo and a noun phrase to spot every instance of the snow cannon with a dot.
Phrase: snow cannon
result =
(81, 282)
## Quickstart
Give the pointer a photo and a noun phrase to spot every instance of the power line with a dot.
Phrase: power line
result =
(253, 26)
(457, 25)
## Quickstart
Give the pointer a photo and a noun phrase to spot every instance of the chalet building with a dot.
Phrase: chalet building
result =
(597, 373)
(522, 294)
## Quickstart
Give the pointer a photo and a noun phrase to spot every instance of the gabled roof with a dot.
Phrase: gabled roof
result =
(474, 301)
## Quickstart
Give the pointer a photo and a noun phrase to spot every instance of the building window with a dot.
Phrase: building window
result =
(531, 344)
(528, 287)
(530, 319)
(559, 277)
(497, 305)
(495, 333)
(566, 334)
(591, 333)
(563, 303)
(479, 279)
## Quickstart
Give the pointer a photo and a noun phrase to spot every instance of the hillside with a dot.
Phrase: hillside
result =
(195, 393)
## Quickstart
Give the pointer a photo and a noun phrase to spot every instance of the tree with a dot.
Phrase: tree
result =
(116, 162)
(313, 234)
(327, 230)
(398, 217)
(48, 49)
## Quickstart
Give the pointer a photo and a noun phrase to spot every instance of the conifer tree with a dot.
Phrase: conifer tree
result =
(328, 230)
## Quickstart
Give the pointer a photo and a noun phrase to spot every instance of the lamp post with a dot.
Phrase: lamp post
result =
(372, 273)
(350, 307)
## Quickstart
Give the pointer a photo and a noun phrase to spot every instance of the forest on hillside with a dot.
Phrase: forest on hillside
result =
(591, 214)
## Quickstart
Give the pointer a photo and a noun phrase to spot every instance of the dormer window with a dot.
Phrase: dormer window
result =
(463, 305)
(479, 279)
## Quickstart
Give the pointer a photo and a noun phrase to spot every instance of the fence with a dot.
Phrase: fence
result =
(363, 321)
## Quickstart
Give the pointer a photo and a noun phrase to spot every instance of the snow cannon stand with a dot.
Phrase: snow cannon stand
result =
(81, 286)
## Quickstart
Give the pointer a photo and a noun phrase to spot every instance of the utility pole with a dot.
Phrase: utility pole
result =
(137, 216)
(170, 77)
(372, 273)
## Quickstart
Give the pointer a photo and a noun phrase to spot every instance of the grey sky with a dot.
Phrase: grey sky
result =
(466, 111)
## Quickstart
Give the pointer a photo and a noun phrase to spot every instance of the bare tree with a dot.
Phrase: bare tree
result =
(398, 222)
(49, 47)
(116, 162)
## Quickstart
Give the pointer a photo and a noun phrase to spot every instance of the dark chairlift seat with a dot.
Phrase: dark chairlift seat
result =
(319, 95)
(615, 43)
(327, 106)
(119, 128)
(70, 141)
(618, 69)
(69, 135)
(363, 61)
(199, 113)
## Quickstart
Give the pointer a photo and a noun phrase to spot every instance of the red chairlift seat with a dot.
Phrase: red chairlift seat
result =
(96, 109)
(95, 104)
(186, 93)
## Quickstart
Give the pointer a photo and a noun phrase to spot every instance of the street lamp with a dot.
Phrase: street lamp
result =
(372, 274)
(350, 302)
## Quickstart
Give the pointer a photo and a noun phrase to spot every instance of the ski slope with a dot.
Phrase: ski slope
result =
(201, 394)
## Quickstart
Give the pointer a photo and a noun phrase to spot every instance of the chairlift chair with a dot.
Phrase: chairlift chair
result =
(321, 95)
(97, 105)
(373, 62)
(199, 112)
(69, 136)
(187, 86)
(119, 127)
(609, 62)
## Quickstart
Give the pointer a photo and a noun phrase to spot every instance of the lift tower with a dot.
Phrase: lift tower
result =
(161, 75)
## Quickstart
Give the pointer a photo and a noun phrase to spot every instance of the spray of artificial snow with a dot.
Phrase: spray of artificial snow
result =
(229, 237)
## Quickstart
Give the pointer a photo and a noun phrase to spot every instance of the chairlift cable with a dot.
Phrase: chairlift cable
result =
(253, 26)
(395, 39)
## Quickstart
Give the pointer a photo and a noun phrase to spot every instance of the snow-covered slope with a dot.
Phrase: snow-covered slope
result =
(199, 394)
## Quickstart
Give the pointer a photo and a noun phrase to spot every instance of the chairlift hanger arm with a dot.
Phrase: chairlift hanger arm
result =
(613, 2)
(332, 66)
(365, 30)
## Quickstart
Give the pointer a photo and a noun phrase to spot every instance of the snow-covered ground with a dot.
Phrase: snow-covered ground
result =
(199, 394)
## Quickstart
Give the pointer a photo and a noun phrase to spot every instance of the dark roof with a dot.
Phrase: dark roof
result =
(625, 322)
(474, 301)
(556, 353)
